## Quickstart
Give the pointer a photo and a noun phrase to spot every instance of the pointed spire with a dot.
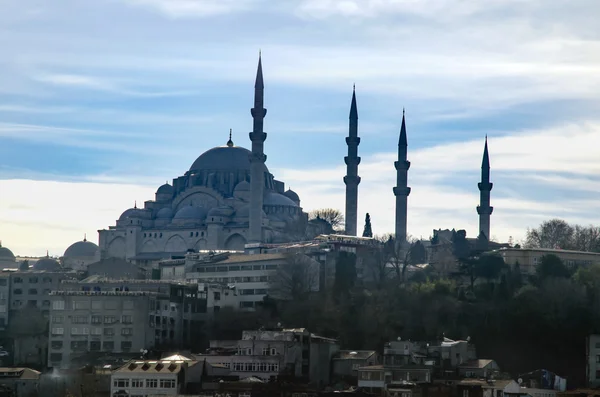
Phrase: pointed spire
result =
(485, 163)
(47, 254)
(230, 142)
(135, 204)
(259, 75)
(84, 237)
(353, 109)
(403, 141)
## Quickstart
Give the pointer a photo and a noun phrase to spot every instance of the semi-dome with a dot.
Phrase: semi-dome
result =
(292, 195)
(6, 254)
(272, 198)
(164, 213)
(165, 189)
(47, 264)
(224, 158)
(191, 212)
(80, 249)
(244, 212)
(225, 211)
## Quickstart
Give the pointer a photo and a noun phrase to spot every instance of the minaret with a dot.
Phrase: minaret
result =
(257, 159)
(352, 161)
(485, 186)
(401, 191)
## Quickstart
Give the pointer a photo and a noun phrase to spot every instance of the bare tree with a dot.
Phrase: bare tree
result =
(554, 233)
(296, 278)
(331, 215)
(398, 256)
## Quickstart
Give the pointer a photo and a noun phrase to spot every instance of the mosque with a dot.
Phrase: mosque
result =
(228, 200)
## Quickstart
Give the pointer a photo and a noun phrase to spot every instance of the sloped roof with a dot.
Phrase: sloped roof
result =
(20, 372)
(155, 366)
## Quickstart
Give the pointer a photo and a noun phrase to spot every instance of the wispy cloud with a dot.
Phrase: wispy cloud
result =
(194, 8)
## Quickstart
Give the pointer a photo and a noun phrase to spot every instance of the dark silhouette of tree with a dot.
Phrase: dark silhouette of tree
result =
(368, 232)
(331, 215)
(345, 273)
(24, 266)
(552, 234)
(296, 278)
(551, 266)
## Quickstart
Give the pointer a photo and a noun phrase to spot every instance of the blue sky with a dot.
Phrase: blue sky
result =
(102, 101)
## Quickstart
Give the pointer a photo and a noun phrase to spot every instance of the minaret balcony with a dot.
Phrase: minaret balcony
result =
(258, 112)
(401, 191)
(352, 160)
(402, 165)
(352, 140)
(257, 157)
(258, 136)
(485, 210)
(352, 180)
(485, 186)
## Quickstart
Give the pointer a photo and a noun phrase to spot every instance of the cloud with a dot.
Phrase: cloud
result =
(194, 8)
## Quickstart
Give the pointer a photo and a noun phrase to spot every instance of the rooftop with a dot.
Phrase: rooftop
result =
(102, 293)
(155, 367)
(19, 372)
(476, 363)
(354, 354)
(546, 250)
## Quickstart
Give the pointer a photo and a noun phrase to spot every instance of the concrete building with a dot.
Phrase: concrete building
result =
(4, 299)
(177, 316)
(267, 353)
(593, 360)
(84, 323)
(250, 274)
(529, 258)
(345, 363)
(482, 369)
(20, 382)
(166, 377)
(377, 378)
(31, 288)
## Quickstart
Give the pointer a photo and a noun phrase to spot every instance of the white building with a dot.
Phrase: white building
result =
(165, 377)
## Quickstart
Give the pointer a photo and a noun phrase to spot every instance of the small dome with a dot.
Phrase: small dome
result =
(191, 212)
(47, 264)
(244, 212)
(272, 198)
(132, 213)
(165, 189)
(164, 213)
(292, 195)
(81, 248)
(221, 211)
(243, 186)
(6, 254)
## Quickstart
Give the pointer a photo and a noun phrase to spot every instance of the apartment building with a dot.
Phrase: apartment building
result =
(250, 274)
(4, 299)
(267, 353)
(529, 258)
(85, 322)
(32, 288)
(179, 312)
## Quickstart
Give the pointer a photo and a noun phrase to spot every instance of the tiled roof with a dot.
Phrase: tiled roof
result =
(155, 367)
(20, 372)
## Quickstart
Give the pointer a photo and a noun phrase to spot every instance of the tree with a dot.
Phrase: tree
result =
(552, 234)
(551, 266)
(368, 232)
(331, 215)
(345, 273)
(296, 278)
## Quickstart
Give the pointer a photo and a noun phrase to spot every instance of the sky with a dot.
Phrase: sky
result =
(103, 101)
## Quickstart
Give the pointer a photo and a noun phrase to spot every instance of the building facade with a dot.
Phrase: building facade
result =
(529, 258)
(31, 289)
(84, 323)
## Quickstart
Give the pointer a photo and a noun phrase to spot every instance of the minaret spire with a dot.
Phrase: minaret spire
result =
(401, 191)
(484, 209)
(257, 158)
(230, 142)
(352, 161)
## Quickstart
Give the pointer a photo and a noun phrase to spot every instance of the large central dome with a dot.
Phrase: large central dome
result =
(224, 158)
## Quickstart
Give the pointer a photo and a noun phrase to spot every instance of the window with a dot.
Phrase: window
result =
(57, 319)
(137, 383)
(126, 346)
(80, 320)
(127, 331)
(3, 282)
(465, 393)
(81, 305)
(96, 319)
(32, 291)
(128, 305)
(56, 357)
(110, 305)
(96, 305)
(108, 345)
(355, 367)
(58, 305)
(245, 305)
(151, 383)
(18, 291)
(167, 383)
(246, 267)
(58, 331)
(109, 331)
(96, 331)
(79, 345)
(270, 267)
(121, 383)
(56, 344)
(273, 367)
(234, 268)
(217, 296)
(597, 359)
(47, 280)
(33, 280)
(126, 319)
(110, 319)
(257, 267)
(18, 280)
(46, 303)
(273, 351)
(95, 345)
(265, 351)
